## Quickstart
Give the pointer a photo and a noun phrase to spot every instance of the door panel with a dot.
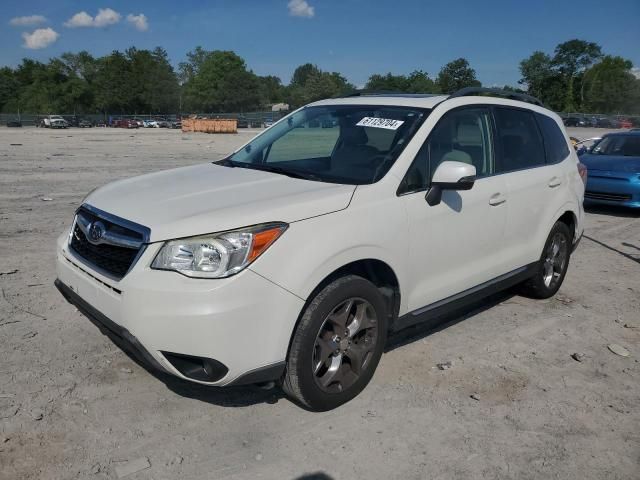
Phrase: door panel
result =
(457, 244)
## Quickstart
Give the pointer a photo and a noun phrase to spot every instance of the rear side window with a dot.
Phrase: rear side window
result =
(519, 140)
(555, 144)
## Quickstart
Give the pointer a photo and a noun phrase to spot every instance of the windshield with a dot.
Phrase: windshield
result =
(349, 144)
(622, 145)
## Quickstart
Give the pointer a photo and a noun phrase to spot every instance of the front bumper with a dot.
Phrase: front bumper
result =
(622, 190)
(244, 322)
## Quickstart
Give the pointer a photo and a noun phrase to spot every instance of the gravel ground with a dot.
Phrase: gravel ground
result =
(513, 404)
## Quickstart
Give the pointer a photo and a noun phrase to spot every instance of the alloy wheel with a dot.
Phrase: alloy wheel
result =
(344, 345)
(555, 260)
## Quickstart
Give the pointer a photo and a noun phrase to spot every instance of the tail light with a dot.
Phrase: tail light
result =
(582, 170)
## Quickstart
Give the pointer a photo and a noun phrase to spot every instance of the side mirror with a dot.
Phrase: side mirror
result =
(450, 176)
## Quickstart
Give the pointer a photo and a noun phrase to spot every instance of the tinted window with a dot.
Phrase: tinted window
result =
(519, 140)
(555, 144)
(461, 136)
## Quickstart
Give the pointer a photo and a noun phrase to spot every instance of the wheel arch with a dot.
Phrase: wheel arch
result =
(376, 271)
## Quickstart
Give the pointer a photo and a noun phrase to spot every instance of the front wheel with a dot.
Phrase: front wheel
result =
(337, 344)
(553, 264)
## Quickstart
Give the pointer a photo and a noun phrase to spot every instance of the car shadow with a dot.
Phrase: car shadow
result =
(314, 476)
(619, 252)
(612, 211)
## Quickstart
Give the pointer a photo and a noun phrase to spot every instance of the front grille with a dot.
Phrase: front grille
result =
(113, 253)
(612, 197)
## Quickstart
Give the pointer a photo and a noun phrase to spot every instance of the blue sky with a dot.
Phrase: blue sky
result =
(354, 37)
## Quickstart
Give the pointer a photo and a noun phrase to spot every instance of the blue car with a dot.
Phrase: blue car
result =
(613, 166)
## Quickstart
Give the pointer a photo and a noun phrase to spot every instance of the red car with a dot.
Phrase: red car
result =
(625, 123)
(124, 123)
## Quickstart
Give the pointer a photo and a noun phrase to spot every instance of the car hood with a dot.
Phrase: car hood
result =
(211, 198)
(612, 163)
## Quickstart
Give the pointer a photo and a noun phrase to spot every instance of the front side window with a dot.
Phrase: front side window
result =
(462, 135)
(348, 144)
(519, 140)
(555, 144)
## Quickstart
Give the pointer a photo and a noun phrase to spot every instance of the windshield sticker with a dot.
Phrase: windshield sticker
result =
(386, 123)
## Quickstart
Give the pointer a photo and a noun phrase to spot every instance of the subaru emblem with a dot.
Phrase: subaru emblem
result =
(96, 230)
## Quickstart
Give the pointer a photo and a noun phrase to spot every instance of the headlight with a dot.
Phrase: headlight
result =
(217, 255)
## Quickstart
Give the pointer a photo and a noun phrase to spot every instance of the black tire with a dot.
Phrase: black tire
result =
(545, 283)
(301, 381)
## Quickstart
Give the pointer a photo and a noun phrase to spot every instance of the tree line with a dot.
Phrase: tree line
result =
(578, 76)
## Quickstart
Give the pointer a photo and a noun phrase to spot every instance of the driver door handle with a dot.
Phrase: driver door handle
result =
(555, 182)
(497, 199)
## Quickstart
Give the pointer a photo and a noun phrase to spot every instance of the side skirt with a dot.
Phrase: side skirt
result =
(433, 313)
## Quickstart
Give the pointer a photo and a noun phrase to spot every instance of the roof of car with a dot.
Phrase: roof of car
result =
(487, 95)
(386, 99)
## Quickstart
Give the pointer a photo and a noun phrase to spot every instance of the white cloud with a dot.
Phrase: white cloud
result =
(636, 72)
(140, 22)
(105, 17)
(80, 19)
(27, 20)
(40, 38)
(300, 8)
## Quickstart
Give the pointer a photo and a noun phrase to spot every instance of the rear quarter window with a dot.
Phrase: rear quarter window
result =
(555, 145)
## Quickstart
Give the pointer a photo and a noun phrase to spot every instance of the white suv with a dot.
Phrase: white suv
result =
(294, 257)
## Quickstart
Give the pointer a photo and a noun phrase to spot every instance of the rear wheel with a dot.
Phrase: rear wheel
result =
(553, 264)
(337, 344)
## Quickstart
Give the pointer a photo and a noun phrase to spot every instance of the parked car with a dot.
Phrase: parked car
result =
(614, 170)
(604, 122)
(163, 124)
(47, 122)
(14, 123)
(624, 123)
(149, 123)
(268, 123)
(323, 244)
(58, 123)
(84, 123)
(575, 122)
(242, 122)
(124, 123)
(176, 124)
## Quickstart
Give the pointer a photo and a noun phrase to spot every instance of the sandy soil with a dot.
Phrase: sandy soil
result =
(73, 405)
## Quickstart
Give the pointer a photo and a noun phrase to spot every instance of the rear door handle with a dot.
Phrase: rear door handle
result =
(555, 182)
(497, 199)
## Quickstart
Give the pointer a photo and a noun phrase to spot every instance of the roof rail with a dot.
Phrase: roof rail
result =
(386, 93)
(497, 92)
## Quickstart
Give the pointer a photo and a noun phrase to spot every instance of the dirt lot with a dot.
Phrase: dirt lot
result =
(73, 405)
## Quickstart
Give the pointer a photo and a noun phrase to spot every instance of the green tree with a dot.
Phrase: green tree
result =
(303, 73)
(417, 82)
(9, 90)
(610, 87)
(219, 81)
(113, 92)
(271, 90)
(456, 75)
(310, 84)
(571, 59)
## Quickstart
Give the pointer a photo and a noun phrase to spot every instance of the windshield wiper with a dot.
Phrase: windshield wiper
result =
(279, 170)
